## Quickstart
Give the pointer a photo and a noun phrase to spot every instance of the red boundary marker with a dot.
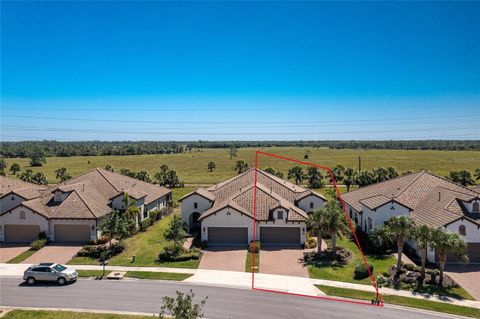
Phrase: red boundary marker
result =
(329, 170)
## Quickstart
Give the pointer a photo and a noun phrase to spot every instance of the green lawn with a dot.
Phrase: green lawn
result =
(91, 273)
(145, 246)
(403, 301)
(22, 256)
(157, 275)
(248, 262)
(329, 271)
(43, 314)
(192, 167)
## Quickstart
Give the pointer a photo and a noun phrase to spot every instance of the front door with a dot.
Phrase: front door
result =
(195, 224)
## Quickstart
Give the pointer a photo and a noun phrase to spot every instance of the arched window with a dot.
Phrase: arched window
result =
(462, 230)
(22, 214)
(476, 207)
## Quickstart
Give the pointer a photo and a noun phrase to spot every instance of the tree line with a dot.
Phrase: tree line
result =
(101, 148)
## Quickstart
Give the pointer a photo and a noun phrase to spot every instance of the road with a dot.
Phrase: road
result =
(145, 296)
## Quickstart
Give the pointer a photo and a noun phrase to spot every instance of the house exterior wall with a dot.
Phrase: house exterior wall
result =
(304, 204)
(157, 205)
(90, 222)
(382, 214)
(31, 218)
(282, 223)
(227, 217)
(469, 205)
(188, 206)
(472, 231)
(117, 203)
(9, 201)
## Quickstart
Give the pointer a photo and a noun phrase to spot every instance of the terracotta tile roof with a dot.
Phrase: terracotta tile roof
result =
(272, 192)
(433, 200)
(8, 185)
(202, 192)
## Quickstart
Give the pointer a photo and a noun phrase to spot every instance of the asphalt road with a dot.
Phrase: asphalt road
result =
(145, 296)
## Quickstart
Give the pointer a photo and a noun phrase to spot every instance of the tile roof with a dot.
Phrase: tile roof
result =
(271, 190)
(433, 200)
(23, 189)
(89, 195)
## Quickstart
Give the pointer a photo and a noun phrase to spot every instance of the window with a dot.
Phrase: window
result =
(476, 207)
(195, 205)
(351, 213)
(311, 205)
(462, 230)
(145, 214)
(370, 223)
(270, 215)
(22, 214)
(280, 214)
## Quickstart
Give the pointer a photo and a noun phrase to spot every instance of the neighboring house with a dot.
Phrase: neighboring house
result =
(428, 199)
(224, 213)
(72, 210)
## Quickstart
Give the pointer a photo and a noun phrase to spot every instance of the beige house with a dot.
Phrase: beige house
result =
(72, 210)
(224, 213)
(428, 199)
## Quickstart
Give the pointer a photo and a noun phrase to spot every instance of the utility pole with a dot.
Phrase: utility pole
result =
(359, 164)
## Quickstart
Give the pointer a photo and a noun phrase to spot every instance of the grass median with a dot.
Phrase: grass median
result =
(44, 314)
(402, 301)
(24, 255)
(248, 262)
(138, 274)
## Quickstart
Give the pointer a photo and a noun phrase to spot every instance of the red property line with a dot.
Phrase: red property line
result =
(329, 170)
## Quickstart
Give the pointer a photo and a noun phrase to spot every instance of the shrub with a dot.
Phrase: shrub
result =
(344, 255)
(42, 235)
(95, 251)
(147, 222)
(177, 253)
(155, 215)
(257, 246)
(310, 243)
(38, 244)
(361, 271)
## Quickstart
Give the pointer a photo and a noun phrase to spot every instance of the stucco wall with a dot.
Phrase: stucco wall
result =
(472, 231)
(469, 205)
(10, 201)
(188, 206)
(227, 217)
(382, 214)
(31, 218)
(304, 204)
(158, 204)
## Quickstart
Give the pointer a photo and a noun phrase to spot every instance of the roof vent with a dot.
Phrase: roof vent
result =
(439, 196)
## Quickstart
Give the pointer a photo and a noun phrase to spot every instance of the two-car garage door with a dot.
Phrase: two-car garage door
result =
(280, 235)
(21, 233)
(72, 233)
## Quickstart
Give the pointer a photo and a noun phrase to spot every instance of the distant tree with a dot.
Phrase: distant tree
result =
(399, 230)
(62, 174)
(109, 168)
(350, 178)
(462, 177)
(279, 174)
(270, 170)
(2, 173)
(26, 176)
(446, 242)
(37, 157)
(477, 174)
(380, 174)
(143, 176)
(211, 166)
(3, 164)
(240, 167)
(232, 151)
(297, 174)
(182, 307)
(167, 177)
(314, 178)
(338, 173)
(14, 168)
(365, 178)
(39, 178)
(127, 172)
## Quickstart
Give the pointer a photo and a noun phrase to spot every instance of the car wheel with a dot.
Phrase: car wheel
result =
(30, 281)
(61, 281)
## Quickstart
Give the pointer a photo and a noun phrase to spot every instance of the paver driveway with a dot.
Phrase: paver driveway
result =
(9, 251)
(467, 276)
(224, 258)
(282, 260)
(54, 253)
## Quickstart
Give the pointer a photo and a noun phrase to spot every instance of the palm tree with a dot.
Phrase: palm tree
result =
(315, 224)
(62, 174)
(477, 174)
(314, 177)
(423, 237)
(14, 168)
(380, 174)
(334, 223)
(365, 178)
(241, 167)
(350, 178)
(397, 229)
(296, 173)
(211, 166)
(131, 211)
(447, 242)
(338, 173)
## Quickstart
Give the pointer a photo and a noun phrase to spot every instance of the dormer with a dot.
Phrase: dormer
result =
(59, 196)
(472, 206)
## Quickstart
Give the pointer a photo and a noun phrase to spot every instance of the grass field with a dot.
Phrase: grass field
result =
(44, 314)
(192, 167)
(403, 301)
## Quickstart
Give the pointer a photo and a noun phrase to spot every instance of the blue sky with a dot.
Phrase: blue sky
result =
(239, 71)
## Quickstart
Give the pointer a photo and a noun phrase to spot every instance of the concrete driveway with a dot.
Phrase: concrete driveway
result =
(224, 258)
(54, 253)
(467, 276)
(282, 260)
(9, 251)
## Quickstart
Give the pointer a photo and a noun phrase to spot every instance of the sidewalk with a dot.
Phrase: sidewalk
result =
(243, 280)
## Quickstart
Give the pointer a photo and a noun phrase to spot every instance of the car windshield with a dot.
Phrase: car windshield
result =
(59, 267)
